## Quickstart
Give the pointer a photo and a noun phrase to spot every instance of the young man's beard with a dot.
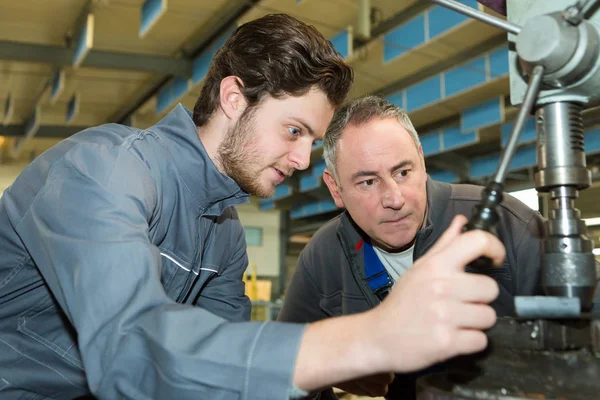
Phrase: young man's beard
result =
(240, 158)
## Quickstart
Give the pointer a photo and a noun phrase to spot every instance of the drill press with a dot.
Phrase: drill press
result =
(551, 349)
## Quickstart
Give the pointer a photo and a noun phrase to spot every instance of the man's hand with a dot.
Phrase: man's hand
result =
(437, 310)
(434, 312)
(373, 385)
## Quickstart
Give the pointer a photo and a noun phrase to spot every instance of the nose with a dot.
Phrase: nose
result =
(392, 196)
(300, 155)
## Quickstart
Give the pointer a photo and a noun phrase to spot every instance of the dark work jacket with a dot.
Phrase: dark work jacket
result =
(329, 279)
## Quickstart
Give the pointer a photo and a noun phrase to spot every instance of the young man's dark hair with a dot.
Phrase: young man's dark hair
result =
(275, 55)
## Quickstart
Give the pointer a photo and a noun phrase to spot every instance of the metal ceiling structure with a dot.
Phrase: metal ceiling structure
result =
(69, 64)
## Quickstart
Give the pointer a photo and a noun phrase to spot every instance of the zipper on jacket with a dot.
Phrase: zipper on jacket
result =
(191, 278)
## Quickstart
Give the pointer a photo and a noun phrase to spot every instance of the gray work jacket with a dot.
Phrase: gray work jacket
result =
(329, 279)
(120, 275)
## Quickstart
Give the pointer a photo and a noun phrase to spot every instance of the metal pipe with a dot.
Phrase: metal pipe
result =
(528, 102)
(478, 15)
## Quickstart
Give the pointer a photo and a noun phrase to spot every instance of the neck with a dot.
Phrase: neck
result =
(211, 135)
(396, 250)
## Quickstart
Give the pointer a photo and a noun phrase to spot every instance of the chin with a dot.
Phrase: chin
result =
(264, 191)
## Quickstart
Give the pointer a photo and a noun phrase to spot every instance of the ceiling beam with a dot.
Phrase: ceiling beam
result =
(218, 24)
(44, 131)
(63, 57)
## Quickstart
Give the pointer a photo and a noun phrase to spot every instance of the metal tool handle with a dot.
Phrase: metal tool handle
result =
(478, 15)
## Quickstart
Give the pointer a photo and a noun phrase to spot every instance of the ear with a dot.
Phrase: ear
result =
(231, 99)
(422, 159)
(333, 188)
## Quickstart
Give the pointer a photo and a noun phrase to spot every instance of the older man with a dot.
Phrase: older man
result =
(394, 213)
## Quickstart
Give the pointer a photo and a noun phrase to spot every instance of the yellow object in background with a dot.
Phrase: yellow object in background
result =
(256, 289)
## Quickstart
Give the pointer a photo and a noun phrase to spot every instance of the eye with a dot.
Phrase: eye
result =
(367, 182)
(403, 173)
(294, 131)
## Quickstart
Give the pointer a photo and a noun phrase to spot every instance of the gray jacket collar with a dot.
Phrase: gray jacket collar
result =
(212, 190)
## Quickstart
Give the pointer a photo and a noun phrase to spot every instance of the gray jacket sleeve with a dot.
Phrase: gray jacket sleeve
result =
(87, 232)
(302, 305)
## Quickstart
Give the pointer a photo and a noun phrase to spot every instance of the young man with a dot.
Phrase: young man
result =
(122, 254)
(394, 215)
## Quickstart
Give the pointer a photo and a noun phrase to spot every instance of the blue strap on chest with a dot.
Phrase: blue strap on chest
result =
(377, 276)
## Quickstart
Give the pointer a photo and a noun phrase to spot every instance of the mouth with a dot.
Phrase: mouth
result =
(280, 174)
(395, 220)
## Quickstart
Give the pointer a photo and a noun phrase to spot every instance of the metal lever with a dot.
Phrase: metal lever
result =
(485, 215)
(576, 13)
(478, 15)
(528, 103)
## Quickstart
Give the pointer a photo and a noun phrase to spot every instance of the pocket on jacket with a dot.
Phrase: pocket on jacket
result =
(174, 275)
(46, 324)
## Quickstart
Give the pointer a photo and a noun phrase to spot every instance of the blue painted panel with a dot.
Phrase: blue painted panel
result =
(484, 166)
(318, 168)
(200, 66)
(266, 204)
(173, 91)
(397, 99)
(151, 11)
(342, 43)
(499, 62)
(423, 93)
(454, 137)
(481, 115)
(83, 40)
(404, 38)
(282, 191)
(317, 145)
(309, 209)
(58, 85)
(527, 135)
(308, 182)
(72, 108)
(431, 143)
(592, 141)
(443, 176)
(442, 19)
(465, 76)
(524, 157)
(201, 63)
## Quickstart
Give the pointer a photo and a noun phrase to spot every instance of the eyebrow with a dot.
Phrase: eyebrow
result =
(401, 164)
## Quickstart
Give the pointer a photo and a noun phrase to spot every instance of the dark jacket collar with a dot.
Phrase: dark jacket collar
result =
(212, 190)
